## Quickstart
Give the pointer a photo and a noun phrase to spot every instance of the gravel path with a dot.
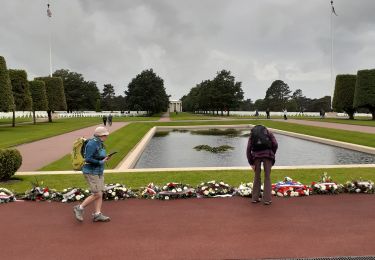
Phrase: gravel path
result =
(356, 128)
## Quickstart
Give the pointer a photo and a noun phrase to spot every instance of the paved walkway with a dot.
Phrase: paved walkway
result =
(37, 154)
(165, 117)
(356, 128)
(222, 228)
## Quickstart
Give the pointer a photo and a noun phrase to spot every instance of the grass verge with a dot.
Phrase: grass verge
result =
(139, 179)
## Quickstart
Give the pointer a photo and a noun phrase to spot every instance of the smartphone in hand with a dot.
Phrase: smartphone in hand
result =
(109, 155)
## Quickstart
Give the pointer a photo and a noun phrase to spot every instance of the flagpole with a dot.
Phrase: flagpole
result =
(332, 85)
(50, 41)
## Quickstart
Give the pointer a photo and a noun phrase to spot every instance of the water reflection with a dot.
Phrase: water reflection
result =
(177, 150)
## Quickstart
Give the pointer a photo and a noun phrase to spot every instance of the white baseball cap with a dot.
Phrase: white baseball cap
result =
(100, 131)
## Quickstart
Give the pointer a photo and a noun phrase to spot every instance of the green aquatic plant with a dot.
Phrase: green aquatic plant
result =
(218, 149)
(161, 134)
(215, 131)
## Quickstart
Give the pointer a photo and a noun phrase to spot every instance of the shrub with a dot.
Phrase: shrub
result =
(364, 95)
(344, 94)
(10, 162)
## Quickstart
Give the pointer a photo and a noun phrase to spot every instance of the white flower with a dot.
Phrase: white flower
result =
(118, 184)
(334, 186)
(113, 193)
(316, 186)
(322, 187)
(358, 190)
(307, 193)
(222, 183)
(280, 194)
(78, 197)
(87, 191)
(217, 185)
(185, 188)
(65, 190)
(211, 190)
(174, 191)
(206, 192)
(273, 192)
(116, 198)
(46, 194)
(165, 187)
(179, 189)
(64, 200)
(125, 189)
(110, 191)
(250, 184)
(225, 190)
(285, 194)
(166, 198)
(204, 187)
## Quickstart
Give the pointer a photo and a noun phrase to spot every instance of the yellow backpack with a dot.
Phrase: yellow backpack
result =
(78, 153)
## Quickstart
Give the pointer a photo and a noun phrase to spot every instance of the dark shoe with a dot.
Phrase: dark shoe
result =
(267, 202)
(256, 201)
(78, 212)
(100, 218)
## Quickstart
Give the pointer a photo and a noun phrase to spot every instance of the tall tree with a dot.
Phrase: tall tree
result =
(80, 94)
(21, 92)
(55, 94)
(146, 91)
(277, 95)
(107, 97)
(344, 94)
(6, 95)
(229, 93)
(39, 96)
(364, 94)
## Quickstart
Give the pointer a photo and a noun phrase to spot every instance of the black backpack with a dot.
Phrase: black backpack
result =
(260, 139)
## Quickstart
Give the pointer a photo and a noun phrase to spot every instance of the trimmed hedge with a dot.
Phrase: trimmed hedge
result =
(6, 95)
(20, 89)
(344, 94)
(39, 95)
(10, 162)
(364, 95)
(55, 94)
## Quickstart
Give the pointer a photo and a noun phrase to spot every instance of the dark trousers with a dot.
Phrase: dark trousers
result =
(267, 193)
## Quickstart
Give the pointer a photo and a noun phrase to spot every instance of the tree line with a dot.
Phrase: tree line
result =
(68, 90)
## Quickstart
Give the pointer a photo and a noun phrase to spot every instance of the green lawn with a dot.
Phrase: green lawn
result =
(136, 118)
(139, 179)
(11, 136)
(8, 121)
(361, 121)
(122, 141)
(189, 116)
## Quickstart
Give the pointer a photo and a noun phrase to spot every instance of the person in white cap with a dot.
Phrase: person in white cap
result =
(93, 170)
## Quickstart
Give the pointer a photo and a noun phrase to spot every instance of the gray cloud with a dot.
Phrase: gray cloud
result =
(186, 42)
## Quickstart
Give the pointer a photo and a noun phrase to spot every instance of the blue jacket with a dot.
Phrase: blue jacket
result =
(94, 155)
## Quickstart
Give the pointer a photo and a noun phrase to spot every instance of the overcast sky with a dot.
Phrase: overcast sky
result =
(188, 41)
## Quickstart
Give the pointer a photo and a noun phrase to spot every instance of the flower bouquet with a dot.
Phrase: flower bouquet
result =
(326, 186)
(42, 194)
(245, 189)
(359, 186)
(174, 190)
(117, 192)
(290, 188)
(214, 189)
(150, 191)
(74, 194)
(6, 196)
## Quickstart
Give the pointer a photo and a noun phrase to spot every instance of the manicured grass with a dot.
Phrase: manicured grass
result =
(11, 136)
(188, 116)
(136, 118)
(362, 122)
(8, 121)
(122, 141)
(139, 179)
